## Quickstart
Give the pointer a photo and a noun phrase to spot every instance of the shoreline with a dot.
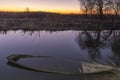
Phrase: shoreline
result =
(53, 25)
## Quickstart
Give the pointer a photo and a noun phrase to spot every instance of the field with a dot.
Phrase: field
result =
(54, 21)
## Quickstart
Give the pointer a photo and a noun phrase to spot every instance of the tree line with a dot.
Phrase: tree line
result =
(100, 7)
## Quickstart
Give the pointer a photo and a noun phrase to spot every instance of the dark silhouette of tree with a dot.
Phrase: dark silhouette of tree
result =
(100, 6)
(115, 5)
(84, 6)
(27, 9)
(91, 6)
(87, 5)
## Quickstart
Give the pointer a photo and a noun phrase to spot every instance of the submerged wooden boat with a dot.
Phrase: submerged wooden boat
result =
(55, 65)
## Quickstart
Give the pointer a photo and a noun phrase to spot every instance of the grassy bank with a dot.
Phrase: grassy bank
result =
(50, 21)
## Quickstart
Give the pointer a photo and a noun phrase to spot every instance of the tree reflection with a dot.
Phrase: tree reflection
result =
(115, 47)
(3, 32)
(96, 41)
(91, 42)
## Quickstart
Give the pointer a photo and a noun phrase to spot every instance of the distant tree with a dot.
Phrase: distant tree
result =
(27, 9)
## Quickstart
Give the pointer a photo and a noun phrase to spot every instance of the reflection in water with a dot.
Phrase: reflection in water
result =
(3, 32)
(99, 46)
(95, 42)
(24, 32)
(90, 43)
(115, 47)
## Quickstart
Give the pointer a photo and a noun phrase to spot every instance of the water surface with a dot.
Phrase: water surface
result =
(99, 46)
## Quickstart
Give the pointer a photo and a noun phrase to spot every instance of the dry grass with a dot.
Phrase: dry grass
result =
(49, 21)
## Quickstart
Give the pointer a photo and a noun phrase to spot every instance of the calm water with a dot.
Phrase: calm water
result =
(99, 46)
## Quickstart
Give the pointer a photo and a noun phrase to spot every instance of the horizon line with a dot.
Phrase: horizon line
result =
(58, 12)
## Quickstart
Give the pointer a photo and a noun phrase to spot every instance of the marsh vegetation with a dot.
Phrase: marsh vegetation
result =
(51, 21)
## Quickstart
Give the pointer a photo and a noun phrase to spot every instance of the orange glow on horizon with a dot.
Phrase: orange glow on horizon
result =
(54, 6)
(47, 10)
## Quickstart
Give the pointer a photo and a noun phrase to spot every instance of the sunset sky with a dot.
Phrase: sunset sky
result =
(61, 6)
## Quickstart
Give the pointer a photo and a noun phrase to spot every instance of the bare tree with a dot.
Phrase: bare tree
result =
(115, 4)
(91, 6)
(86, 5)
(100, 6)
(107, 7)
